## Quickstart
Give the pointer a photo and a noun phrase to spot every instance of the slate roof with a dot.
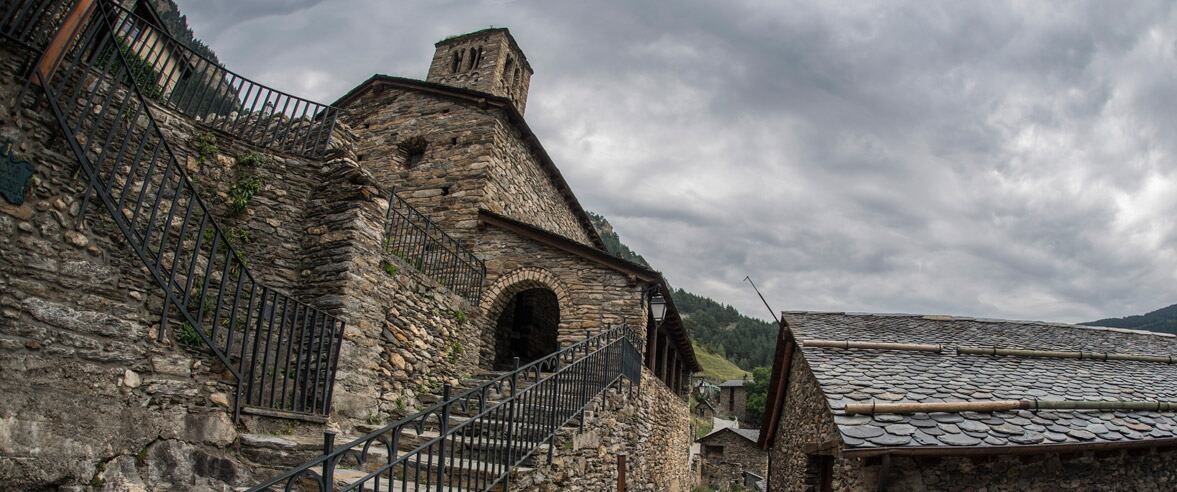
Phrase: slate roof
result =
(749, 434)
(865, 375)
(733, 383)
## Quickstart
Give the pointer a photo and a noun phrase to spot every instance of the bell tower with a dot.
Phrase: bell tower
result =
(488, 61)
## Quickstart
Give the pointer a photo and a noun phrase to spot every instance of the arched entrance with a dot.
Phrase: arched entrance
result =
(527, 328)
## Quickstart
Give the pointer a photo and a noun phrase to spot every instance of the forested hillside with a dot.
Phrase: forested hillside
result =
(745, 341)
(1163, 320)
(177, 24)
(723, 331)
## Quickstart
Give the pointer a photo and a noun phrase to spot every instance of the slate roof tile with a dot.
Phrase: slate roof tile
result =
(896, 376)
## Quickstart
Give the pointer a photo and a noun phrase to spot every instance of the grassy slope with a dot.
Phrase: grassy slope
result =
(715, 367)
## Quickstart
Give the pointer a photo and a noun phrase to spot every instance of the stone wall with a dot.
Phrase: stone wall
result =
(591, 296)
(649, 425)
(734, 403)
(739, 455)
(91, 398)
(448, 183)
(474, 158)
(805, 420)
(407, 334)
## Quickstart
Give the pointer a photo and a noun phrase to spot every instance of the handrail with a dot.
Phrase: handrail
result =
(415, 238)
(134, 173)
(196, 86)
(31, 23)
(497, 437)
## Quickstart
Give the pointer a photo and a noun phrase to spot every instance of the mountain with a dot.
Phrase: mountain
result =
(613, 242)
(721, 330)
(1163, 320)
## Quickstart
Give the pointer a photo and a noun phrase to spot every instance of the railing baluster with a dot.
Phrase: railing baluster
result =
(419, 242)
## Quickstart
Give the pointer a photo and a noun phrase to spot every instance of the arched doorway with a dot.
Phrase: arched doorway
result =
(527, 327)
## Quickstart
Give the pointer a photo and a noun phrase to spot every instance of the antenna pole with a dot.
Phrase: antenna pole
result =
(770, 311)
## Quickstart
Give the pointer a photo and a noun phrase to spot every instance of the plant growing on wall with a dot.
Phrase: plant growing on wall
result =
(187, 336)
(242, 192)
(389, 268)
(206, 146)
(251, 159)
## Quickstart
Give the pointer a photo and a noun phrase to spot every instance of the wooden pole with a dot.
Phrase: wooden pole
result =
(57, 46)
(1064, 354)
(621, 472)
(846, 344)
(1003, 405)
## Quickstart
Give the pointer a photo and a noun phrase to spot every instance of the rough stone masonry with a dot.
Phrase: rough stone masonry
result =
(93, 401)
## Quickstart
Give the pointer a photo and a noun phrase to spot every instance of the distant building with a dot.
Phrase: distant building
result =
(733, 398)
(915, 403)
(727, 454)
(704, 409)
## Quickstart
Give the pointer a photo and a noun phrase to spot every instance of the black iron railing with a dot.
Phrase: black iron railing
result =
(474, 439)
(186, 81)
(417, 240)
(281, 352)
(32, 23)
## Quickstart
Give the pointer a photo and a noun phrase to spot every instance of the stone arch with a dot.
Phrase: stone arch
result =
(500, 294)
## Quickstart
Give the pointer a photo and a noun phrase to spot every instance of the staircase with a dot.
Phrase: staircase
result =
(280, 354)
(481, 436)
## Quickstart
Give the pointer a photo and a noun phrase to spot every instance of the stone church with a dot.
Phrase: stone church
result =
(207, 283)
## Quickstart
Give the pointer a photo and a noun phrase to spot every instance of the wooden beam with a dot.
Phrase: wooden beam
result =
(55, 51)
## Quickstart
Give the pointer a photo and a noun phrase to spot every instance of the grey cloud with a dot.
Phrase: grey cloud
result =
(974, 158)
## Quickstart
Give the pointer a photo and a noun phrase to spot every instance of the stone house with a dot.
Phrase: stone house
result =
(727, 454)
(93, 338)
(733, 399)
(863, 402)
(704, 409)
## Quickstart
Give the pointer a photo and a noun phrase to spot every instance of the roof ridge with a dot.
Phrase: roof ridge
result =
(951, 318)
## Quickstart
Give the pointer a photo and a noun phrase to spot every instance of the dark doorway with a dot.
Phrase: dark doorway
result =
(527, 328)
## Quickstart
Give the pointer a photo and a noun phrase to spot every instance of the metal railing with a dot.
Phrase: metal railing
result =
(282, 353)
(190, 83)
(473, 440)
(32, 23)
(412, 236)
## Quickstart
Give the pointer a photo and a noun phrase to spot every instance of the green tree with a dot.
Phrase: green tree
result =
(758, 393)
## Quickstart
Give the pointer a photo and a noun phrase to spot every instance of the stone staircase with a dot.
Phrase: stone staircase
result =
(474, 458)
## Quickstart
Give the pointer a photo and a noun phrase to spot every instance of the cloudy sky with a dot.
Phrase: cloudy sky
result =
(999, 159)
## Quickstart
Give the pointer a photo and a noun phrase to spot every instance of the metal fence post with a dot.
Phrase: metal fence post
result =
(328, 465)
(511, 421)
(444, 429)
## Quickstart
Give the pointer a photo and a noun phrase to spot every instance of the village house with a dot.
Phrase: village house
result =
(728, 454)
(865, 402)
(704, 409)
(733, 399)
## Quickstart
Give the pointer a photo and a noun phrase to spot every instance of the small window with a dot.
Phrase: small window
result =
(507, 70)
(456, 62)
(477, 58)
(414, 151)
(712, 452)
